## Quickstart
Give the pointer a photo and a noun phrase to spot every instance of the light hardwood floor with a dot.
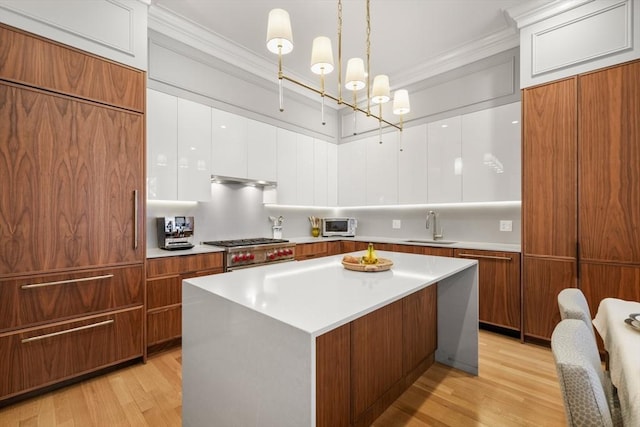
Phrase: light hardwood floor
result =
(517, 386)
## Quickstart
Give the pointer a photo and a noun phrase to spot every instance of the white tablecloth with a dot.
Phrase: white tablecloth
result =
(623, 344)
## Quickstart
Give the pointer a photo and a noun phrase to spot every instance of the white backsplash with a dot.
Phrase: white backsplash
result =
(237, 211)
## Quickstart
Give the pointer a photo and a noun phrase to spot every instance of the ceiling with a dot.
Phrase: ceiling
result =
(410, 39)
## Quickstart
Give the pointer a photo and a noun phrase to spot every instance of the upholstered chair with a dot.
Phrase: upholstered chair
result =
(589, 397)
(573, 305)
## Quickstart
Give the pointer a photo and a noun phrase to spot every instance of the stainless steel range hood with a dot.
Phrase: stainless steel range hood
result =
(217, 179)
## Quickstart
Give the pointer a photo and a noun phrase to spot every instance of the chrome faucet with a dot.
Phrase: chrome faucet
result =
(435, 235)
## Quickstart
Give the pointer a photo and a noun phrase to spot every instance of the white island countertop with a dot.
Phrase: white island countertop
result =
(318, 295)
(249, 336)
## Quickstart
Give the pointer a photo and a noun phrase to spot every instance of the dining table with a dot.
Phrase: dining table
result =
(621, 340)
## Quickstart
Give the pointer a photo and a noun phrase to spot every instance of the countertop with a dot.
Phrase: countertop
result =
(486, 246)
(318, 295)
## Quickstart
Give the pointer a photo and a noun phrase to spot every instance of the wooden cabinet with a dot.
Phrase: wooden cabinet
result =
(317, 249)
(38, 357)
(498, 286)
(549, 202)
(581, 145)
(363, 366)
(164, 294)
(71, 212)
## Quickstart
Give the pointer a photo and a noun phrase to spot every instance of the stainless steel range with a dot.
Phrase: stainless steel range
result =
(245, 253)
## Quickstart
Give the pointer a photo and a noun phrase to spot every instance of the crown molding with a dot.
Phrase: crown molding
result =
(188, 32)
(211, 43)
(463, 55)
(533, 11)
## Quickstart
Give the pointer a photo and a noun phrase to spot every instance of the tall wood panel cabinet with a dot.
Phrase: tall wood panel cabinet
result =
(71, 212)
(581, 192)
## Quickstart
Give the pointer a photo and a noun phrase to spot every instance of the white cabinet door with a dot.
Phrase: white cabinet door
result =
(162, 146)
(332, 174)
(261, 151)
(287, 167)
(412, 166)
(305, 166)
(382, 170)
(194, 151)
(491, 154)
(229, 146)
(444, 161)
(352, 173)
(320, 172)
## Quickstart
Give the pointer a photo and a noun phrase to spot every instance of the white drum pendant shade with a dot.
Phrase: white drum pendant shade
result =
(321, 56)
(279, 32)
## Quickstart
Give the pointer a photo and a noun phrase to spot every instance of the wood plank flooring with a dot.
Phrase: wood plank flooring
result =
(517, 386)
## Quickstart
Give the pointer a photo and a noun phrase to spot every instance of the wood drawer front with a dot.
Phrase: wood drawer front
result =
(41, 299)
(164, 291)
(183, 264)
(164, 325)
(41, 63)
(44, 356)
(311, 250)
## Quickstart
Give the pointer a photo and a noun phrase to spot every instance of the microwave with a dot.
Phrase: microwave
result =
(339, 227)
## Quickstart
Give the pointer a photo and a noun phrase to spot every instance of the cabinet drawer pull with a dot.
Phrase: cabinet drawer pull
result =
(67, 331)
(62, 282)
(504, 258)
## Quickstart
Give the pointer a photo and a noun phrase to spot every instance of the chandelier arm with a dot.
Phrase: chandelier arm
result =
(328, 95)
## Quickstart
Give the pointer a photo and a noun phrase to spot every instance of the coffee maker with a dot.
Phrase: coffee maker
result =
(175, 232)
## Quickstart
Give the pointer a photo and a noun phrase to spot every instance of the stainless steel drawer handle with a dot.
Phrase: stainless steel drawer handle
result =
(67, 331)
(504, 258)
(62, 282)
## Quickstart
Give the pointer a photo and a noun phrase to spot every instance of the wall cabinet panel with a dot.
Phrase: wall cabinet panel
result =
(162, 147)
(412, 166)
(444, 161)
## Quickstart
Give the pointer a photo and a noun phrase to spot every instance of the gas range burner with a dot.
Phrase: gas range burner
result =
(244, 242)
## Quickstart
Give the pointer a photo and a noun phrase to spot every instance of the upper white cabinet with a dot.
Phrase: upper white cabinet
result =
(305, 170)
(352, 173)
(444, 161)
(229, 144)
(194, 151)
(382, 169)
(332, 174)
(287, 167)
(412, 166)
(178, 148)
(162, 146)
(261, 151)
(320, 172)
(491, 154)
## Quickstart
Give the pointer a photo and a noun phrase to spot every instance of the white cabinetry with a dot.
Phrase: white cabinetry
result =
(304, 167)
(491, 154)
(352, 173)
(382, 169)
(320, 172)
(332, 174)
(194, 151)
(412, 166)
(229, 144)
(261, 151)
(162, 146)
(287, 167)
(178, 148)
(444, 161)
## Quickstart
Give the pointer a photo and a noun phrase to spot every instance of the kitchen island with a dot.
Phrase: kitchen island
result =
(251, 338)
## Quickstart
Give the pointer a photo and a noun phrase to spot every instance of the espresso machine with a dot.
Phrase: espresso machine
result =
(175, 232)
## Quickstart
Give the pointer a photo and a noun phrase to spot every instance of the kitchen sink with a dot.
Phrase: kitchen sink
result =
(432, 242)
